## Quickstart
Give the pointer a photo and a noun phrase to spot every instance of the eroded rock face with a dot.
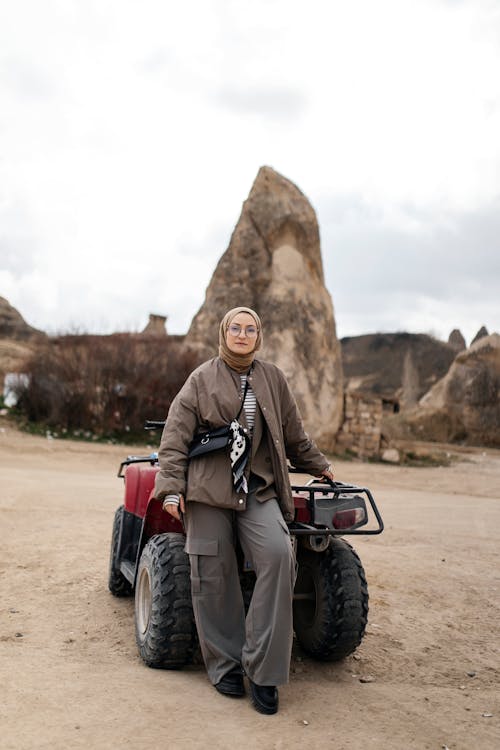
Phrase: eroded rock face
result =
(465, 404)
(273, 264)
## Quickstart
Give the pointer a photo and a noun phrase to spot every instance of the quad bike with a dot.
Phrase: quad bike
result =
(330, 606)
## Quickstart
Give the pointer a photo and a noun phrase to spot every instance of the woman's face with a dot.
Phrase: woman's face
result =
(241, 336)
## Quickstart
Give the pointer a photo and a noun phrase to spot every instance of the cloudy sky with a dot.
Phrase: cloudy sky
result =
(131, 132)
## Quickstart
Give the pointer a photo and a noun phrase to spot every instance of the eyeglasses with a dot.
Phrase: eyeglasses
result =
(235, 330)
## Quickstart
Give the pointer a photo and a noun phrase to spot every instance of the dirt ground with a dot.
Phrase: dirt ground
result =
(71, 677)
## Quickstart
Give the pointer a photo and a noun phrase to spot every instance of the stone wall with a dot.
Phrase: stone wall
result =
(361, 430)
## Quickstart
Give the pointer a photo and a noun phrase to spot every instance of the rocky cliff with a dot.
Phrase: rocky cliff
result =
(465, 404)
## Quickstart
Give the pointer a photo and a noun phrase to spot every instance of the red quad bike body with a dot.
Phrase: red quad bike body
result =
(331, 594)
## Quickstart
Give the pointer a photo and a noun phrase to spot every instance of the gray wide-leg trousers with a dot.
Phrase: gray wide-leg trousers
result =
(262, 641)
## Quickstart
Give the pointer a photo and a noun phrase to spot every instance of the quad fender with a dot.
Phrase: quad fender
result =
(139, 487)
(143, 517)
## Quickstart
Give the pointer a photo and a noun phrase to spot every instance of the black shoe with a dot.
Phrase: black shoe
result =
(264, 698)
(232, 684)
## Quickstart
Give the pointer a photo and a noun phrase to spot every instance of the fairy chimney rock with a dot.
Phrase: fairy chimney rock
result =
(156, 325)
(456, 340)
(273, 264)
(483, 331)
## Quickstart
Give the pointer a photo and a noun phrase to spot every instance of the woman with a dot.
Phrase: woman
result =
(244, 496)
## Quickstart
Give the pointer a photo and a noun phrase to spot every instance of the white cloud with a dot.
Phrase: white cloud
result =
(131, 135)
(437, 273)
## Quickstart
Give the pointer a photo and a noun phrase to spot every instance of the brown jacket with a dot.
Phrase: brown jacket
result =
(210, 398)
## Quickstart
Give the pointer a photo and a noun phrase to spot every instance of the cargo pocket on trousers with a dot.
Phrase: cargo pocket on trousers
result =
(206, 566)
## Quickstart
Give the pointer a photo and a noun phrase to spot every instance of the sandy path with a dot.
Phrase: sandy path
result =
(70, 676)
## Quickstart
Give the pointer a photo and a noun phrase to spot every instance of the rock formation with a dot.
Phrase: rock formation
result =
(456, 340)
(397, 367)
(273, 264)
(483, 331)
(465, 404)
(410, 384)
(156, 325)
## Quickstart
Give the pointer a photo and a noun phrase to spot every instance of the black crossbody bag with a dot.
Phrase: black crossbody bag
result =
(216, 439)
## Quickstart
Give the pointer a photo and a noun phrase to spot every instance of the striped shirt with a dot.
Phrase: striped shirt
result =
(250, 403)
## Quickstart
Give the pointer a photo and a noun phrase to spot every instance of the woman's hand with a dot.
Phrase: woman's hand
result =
(328, 473)
(174, 509)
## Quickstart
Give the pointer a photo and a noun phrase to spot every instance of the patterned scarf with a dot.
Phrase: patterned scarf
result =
(240, 449)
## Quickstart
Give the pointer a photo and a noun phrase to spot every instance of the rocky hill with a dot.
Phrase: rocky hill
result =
(13, 325)
(17, 339)
(397, 367)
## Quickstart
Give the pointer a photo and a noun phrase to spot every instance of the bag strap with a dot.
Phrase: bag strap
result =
(244, 395)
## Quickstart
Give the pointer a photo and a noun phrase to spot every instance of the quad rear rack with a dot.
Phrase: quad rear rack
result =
(325, 499)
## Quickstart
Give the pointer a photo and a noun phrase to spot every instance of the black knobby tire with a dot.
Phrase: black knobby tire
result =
(164, 624)
(331, 604)
(117, 583)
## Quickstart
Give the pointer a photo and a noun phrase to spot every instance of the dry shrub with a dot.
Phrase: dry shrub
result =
(108, 385)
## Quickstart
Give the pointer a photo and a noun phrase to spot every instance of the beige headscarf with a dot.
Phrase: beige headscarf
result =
(238, 362)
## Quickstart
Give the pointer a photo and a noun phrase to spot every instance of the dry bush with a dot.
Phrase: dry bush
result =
(108, 385)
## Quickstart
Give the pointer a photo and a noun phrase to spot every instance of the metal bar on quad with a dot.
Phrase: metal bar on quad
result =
(151, 459)
(154, 424)
(303, 529)
(326, 487)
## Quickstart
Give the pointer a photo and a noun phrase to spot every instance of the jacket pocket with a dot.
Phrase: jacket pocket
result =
(206, 567)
